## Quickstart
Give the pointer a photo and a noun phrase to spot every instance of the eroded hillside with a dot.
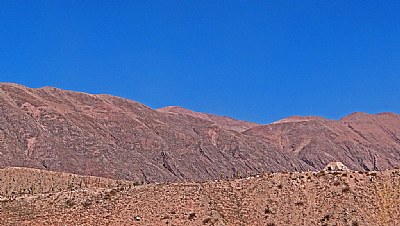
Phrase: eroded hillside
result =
(107, 136)
(308, 198)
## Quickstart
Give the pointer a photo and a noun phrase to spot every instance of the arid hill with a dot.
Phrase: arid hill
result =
(107, 136)
(19, 181)
(309, 198)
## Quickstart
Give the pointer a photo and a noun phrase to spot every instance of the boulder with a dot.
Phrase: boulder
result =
(336, 166)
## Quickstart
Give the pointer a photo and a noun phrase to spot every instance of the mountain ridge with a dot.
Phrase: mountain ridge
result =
(108, 136)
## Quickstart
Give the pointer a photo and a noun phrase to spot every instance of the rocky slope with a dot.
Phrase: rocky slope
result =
(103, 135)
(309, 198)
(361, 141)
(19, 181)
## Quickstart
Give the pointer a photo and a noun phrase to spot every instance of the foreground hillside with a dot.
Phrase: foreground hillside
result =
(17, 182)
(107, 136)
(309, 198)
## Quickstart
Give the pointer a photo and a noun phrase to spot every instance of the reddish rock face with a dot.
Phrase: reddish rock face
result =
(361, 141)
(102, 135)
(108, 136)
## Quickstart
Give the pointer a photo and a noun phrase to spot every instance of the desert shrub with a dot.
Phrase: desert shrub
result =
(345, 189)
(320, 173)
(299, 203)
(192, 216)
(113, 192)
(327, 217)
(87, 203)
(267, 210)
(207, 220)
(69, 203)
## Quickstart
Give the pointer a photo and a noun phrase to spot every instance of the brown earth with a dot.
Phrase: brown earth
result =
(19, 181)
(308, 198)
(107, 136)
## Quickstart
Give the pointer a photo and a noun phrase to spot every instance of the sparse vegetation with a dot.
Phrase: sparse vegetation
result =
(228, 201)
(320, 173)
(192, 216)
(207, 220)
(69, 203)
(267, 210)
(299, 203)
(345, 189)
(87, 203)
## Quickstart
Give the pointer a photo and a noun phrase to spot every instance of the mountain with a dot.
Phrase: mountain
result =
(361, 141)
(309, 198)
(103, 135)
(107, 136)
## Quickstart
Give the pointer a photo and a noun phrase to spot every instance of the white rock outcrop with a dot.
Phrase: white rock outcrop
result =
(336, 166)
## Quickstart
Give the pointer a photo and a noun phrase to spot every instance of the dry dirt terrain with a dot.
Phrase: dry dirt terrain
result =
(17, 182)
(307, 198)
(107, 136)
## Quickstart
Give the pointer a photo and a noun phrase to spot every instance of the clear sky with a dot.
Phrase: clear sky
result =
(254, 60)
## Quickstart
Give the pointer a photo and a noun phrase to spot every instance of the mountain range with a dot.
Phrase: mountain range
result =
(108, 136)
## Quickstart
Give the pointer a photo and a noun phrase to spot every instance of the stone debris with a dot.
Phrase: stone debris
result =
(335, 166)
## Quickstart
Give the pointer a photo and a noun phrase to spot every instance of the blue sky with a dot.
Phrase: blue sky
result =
(254, 60)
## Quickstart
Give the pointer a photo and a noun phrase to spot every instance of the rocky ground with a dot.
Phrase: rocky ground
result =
(307, 198)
